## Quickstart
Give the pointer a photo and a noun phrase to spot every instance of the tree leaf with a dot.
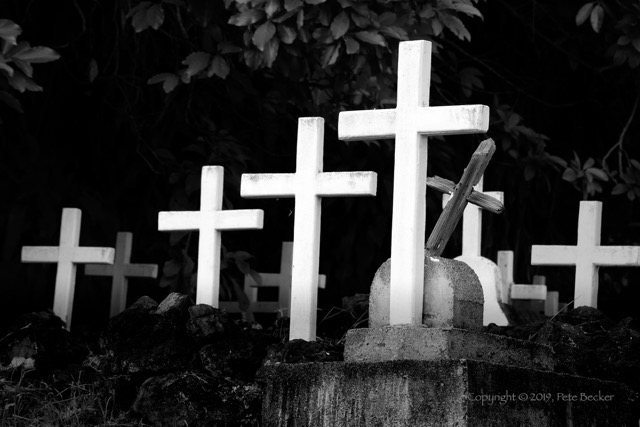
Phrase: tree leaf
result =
(598, 173)
(290, 5)
(272, 7)
(155, 16)
(340, 25)
(569, 175)
(455, 25)
(467, 9)
(37, 55)
(248, 17)
(330, 55)
(529, 172)
(287, 34)
(635, 163)
(219, 67)
(597, 16)
(584, 12)
(589, 163)
(93, 70)
(196, 62)
(6, 67)
(271, 51)
(11, 101)
(24, 66)
(371, 37)
(20, 82)
(9, 30)
(263, 35)
(169, 81)
(351, 45)
(619, 188)
(314, 1)
(323, 35)
(139, 21)
(395, 32)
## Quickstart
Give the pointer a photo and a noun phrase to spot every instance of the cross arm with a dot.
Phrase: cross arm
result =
(347, 184)
(553, 255)
(179, 220)
(619, 256)
(86, 255)
(264, 185)
(241, 219)
(485, 201)
(40, 254)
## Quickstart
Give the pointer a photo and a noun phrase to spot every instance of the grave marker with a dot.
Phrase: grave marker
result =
(587, 256)
(281, 280)
(410, 123)
(120, 271)
(529, 297)
(67, 255)
(210, 220)
(307, 185)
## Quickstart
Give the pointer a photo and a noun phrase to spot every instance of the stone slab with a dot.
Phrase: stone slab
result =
(461, 393)
(421, 343)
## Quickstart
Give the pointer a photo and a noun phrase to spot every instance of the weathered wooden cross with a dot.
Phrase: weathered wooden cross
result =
(67, 255)
(461, 193)
(120, 271)
(308, 185)
(587, 255)
(472, 221)
(210, 220)
(281, 280)
(410, 123)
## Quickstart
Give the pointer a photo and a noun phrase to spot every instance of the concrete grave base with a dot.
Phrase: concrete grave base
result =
(460, 393)
(422, 343)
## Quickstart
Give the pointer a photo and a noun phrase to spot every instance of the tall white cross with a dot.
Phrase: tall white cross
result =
(67, 255)
(472, 221)
(120, 271)
(410, 123)
(281, 280)
(588, 255)
(308, 185)
(210, 220)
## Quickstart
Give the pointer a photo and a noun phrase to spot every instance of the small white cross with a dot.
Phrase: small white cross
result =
(120, 271)
(587, 255)
(410, 123)
(308, 185)
(535, 291)
(210, 220)
(472, 221)
(281, 280)
(67, 255)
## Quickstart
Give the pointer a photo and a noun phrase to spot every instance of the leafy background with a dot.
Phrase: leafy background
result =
(114, 107)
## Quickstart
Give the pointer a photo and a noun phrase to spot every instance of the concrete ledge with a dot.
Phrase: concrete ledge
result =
(460, 393)
(422, 343)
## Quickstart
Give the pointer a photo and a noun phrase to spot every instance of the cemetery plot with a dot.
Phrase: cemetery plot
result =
(308, 185)
(587, 256)
(410, 123)
(210, 220)
(67, 256)
(120, 271)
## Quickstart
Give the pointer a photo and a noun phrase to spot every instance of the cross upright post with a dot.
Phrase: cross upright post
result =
(120, 271)
(210, 220)
(410, 123)
(307, 185)
(67, 256)
(587, 256)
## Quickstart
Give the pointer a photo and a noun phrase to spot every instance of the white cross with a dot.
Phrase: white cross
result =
(410, 123)
(67, 255)
(308, 185)
(588, 255)
(120, 271)
(210, 220)
(535, 291)
(281, 280)
(472, 221)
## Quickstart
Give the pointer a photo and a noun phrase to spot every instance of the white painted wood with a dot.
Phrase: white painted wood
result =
(67, 255)
(472, 221)
(307, 185)
(529, 292)
(281, 280)
(120, 271)
(489, 275)
(210, 220)
(552, 303)
(505, 264)
(587, 256)
(410, 123)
